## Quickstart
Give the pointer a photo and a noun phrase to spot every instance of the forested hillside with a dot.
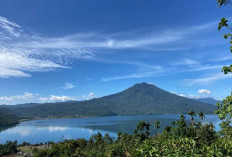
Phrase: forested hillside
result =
(139, 99)
(7, 119)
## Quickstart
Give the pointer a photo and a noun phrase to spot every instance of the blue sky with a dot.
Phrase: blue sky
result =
(61, 50)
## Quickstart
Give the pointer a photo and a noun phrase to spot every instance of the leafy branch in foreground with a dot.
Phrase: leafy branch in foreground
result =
(224, 110)
(223, 2)
(225, 23)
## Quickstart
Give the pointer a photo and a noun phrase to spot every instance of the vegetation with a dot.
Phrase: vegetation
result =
(181, 139)
(7, 119)
(8, 148)
(140, 99)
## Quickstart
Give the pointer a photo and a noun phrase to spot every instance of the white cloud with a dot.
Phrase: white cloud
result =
(19, 60)
(54, 98)
(14, 62)
(203, 91)
(23, 52)
(69, 85)
(182, 95)
(89, 96)
(191, 96)
(172, 92)
(30, 97)
(25, 96)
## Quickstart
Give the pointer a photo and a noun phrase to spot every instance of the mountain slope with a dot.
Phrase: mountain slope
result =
(6, 118)
(140, 99)
(208, 100)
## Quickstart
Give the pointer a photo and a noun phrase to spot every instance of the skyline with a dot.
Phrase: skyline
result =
(79, 50)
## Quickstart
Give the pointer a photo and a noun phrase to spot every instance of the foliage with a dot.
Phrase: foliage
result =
(225, 23)
(8, 148)
(224, 110)
(223, 2)
(7, 119)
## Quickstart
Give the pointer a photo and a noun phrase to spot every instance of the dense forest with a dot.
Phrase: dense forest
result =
(7, 119)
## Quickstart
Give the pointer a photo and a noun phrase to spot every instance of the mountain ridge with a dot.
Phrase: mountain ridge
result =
(140, 99)
(208, 100)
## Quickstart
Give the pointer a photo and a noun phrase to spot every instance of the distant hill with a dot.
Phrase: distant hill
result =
(208, 100)
(6, 118)
(139, 99)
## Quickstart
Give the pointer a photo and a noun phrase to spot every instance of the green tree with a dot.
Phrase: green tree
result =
(142, 130)
(201, 115)
(224, 110)
(174, 124)
(192, 114)
(157, 125)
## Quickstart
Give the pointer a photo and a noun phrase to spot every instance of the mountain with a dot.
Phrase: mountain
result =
(139, 99)
(208, 100)
(6, 118)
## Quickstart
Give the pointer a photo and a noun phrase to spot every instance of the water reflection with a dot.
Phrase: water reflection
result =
(2, 128)
(37, 131)
(38, 134)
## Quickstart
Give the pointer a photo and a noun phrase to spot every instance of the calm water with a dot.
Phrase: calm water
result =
(55, 130)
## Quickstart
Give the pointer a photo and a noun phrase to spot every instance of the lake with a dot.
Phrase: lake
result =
(37, 131)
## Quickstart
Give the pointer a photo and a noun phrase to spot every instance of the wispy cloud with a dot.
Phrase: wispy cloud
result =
(208, 79)
(8, 29)
(18, 61)
(134, 75)
(69, 85)
(26, 52)
(185, 61)
(162, 38)
(191, 65)
(205, 67)
(225, 58)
